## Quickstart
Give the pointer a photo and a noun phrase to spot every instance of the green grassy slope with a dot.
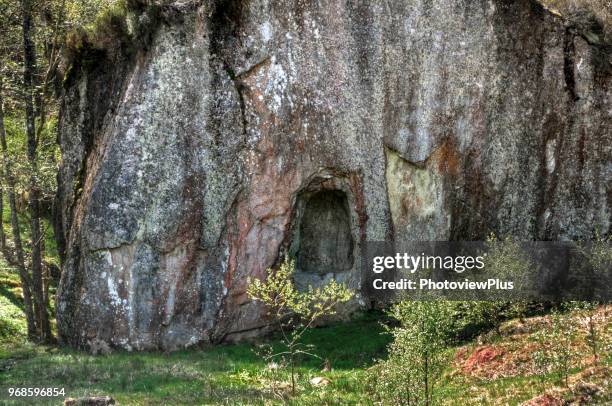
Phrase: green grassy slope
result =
(221, 375)
(492, 370)
(12, 322)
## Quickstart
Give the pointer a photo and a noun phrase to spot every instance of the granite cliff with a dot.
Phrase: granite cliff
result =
(241, 131)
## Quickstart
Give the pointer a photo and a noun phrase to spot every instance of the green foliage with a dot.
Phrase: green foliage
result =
(13, 327)
(480, 314)
(110, 28)
(587, 312)
(234, 374)
(600, 254)
(108, 33)
(591, 269)
(420, 351)
(418, 354)
(557, 353)
(47, 158)
(84, 12)
(118, 27)
(483, 315)
(294, 312)
(279, 295)
(507, 260)
(223, 375)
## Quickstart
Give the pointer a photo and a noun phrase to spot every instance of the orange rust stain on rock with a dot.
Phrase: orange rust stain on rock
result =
(446, 158)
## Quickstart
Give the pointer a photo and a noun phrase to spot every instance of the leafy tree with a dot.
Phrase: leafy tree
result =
(29, 51)
(418, 354)
(599, 256)
(19, 261)
(295, 312)
(506, 260)
(31, 47)
(588, 311)
(556, 352)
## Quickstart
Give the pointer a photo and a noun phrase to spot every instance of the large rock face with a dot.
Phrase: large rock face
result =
(248, 130)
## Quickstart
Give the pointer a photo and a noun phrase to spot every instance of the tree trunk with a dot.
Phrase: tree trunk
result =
(593, 336)
(426, 379)
(2, 236)
(20, 257)
(29, 68)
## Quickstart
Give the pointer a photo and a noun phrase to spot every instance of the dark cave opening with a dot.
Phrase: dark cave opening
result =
(326, 242)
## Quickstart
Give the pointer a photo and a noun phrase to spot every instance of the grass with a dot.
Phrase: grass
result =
(13, 328)
(513, 377)
(221, 375)
(235, 374)
(504, 391)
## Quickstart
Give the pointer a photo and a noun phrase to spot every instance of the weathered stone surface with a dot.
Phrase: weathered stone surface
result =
(92, 401)
(325, 243)
(203, 159)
